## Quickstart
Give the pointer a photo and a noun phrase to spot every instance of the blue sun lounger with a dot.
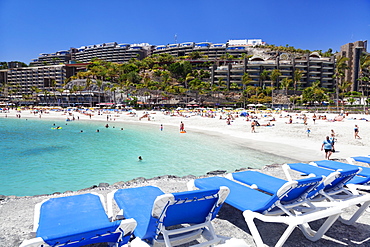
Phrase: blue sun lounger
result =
(287, 205)
(360, 181)
(334, 179)
(155, 212)
(77, 221)
(334, 191)
(363, 159)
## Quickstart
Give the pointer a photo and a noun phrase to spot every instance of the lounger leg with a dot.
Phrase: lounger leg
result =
(248, 215)
(357, 215)
(285, 235)
(316, 235)
(252, 227)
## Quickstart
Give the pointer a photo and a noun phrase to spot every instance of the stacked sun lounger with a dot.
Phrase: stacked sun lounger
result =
(340, 187)
(274, 200)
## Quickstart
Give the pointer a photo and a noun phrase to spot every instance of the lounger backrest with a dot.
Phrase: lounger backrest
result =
(192, 207)
(285, 191)
(301, 190)
(342, 178)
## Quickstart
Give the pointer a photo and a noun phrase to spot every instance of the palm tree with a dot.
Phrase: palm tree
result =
(297, 78)
(246, 80)
(264, 75)
(285, 83)
(275, 74)
(343, 88)
(339, 74)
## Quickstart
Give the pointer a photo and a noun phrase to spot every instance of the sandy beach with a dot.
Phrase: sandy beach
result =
(282, 138)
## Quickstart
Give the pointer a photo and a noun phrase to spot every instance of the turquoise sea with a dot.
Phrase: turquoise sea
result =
(36, 159)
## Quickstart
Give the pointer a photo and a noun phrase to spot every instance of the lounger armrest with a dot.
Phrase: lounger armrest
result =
(128, 226)
(160, 203)
(286, 188)
(110, 198)
(36, 216)
(223, 193)
(331, 177)
(34, 242)
(191, 185)
(350, 160)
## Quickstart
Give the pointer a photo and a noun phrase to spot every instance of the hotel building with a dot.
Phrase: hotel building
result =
(313, 68)
(353, 51)
(228, 63)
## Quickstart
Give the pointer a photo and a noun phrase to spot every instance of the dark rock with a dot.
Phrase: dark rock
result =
(137, 180)
(56, 193)
(165, 177)
(217, 172)
(90, 188)
(103, 185)
(188, 177)
(2, 197)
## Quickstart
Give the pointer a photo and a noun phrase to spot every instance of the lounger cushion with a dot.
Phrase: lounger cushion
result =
(263, 181)
(74, 218)
(272, 184)
(363, 159)
(240, 197)
(308, 169)
(330, 164)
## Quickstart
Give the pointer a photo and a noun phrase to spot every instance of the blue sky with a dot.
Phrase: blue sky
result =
(31, 27)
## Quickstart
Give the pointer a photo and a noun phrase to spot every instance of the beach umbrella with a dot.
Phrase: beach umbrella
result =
(251, 105)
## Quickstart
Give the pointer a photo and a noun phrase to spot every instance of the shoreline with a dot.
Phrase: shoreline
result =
(281, 139)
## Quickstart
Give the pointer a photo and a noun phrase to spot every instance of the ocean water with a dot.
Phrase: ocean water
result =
(36, 159)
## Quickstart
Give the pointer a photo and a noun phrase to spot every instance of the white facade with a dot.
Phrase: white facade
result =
(245, 42)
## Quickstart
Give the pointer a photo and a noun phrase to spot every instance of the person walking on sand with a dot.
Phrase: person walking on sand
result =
(328, 147)
(308, 132)
(357, 129)
(182, 127)
(332, 140)
(253, 126)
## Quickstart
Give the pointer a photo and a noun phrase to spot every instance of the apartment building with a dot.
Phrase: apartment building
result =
(111, 52)
(60, 57)
(313, 67)
(353, 51)
(23, 80)
(232, 48)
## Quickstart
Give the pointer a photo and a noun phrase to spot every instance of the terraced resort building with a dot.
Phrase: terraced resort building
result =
(226, 62)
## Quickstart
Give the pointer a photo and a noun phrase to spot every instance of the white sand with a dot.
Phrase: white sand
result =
(287, 140)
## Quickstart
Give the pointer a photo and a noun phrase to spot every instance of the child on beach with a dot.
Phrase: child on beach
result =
(308, 131)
